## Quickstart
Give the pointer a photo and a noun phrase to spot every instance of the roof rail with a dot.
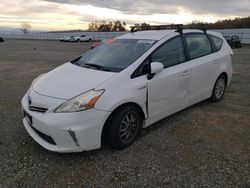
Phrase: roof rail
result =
(155, 27)
(178, 27)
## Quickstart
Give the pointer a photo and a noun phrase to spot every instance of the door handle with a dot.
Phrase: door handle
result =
(140, 88)
(185, 73)
(217, 61)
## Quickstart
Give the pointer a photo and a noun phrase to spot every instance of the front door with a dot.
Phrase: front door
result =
(168, 90)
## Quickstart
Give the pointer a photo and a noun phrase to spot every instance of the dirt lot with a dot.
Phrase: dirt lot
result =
(207, 145)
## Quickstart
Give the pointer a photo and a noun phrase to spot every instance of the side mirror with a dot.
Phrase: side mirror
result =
(156, 67)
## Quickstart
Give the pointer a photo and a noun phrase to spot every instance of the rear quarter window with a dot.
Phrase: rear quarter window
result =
(217, 42)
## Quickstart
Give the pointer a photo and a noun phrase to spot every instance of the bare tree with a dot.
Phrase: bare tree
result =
(25, 27)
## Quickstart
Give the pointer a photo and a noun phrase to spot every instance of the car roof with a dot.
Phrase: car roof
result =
(159, 34)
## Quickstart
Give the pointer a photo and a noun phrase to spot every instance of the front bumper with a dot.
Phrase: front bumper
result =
(71, 132)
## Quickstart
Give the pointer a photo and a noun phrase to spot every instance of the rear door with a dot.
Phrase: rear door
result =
(202, 64)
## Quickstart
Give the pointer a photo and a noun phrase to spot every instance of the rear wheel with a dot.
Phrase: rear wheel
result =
(124, 126)
(219, 88)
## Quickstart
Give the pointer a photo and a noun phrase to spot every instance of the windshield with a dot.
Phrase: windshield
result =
(114, 55)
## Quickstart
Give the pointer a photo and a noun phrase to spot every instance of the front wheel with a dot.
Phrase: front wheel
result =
(124, 126)
(219, 88)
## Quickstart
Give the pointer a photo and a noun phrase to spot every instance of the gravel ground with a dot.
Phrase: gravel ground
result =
(207, 145)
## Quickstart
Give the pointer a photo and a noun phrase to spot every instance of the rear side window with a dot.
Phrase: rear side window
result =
(217, 42)
(198, 44)
(171, 53)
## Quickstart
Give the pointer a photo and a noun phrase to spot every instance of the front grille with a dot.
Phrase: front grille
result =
(46, 137)
(37, 109)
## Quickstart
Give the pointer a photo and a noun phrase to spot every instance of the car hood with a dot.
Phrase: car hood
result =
(69, 80)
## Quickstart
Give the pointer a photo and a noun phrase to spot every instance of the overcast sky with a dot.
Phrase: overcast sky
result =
(76, 14)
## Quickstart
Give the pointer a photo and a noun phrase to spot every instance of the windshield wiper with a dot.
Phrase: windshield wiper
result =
(98, 67)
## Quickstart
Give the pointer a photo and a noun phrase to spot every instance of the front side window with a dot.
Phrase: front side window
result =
(115, 55)
(198, 45)
(171, 53)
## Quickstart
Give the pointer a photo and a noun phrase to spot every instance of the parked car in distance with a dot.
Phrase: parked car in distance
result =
(1, 39)
(82, 38)
(68, 39)
(113, 91)
(234, 41)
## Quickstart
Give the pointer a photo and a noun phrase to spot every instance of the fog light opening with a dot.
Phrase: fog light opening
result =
(73, 136)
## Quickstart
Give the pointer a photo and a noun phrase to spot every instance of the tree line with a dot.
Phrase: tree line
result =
(107, 26)
(220, 24)
(235, 23)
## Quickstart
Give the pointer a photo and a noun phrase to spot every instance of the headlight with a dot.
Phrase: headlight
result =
(81, 102)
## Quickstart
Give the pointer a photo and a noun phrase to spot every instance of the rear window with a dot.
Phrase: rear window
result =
(217, 42)
(198, 44)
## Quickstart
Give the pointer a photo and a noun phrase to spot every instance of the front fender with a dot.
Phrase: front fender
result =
(130, 92)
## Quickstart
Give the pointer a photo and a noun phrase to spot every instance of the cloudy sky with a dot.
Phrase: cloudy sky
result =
(76, 14)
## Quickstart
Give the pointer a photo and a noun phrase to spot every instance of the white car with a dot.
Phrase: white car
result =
(82, 38)
(69, 39)
(114, 90)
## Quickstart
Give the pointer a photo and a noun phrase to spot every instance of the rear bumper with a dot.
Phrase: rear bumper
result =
(71, 132)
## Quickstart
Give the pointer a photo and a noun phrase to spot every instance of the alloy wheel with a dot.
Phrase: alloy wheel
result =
(219, 88)
(129, 127)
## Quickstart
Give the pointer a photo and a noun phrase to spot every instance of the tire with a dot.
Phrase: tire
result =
(78, 40)
(123, 127)
(219, 88)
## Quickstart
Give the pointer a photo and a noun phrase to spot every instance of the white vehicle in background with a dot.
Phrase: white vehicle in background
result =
(82, 38)
(69, 39)
(114, 90)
